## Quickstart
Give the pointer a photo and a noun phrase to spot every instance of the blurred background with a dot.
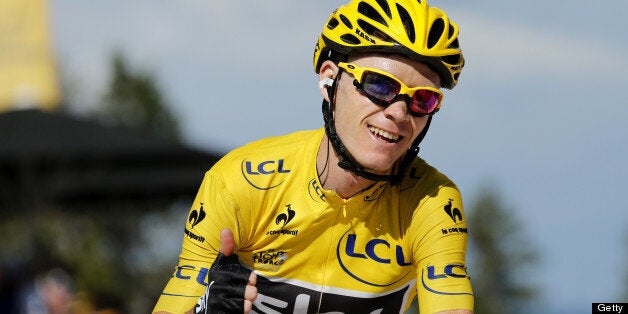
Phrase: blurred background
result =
(111, 111)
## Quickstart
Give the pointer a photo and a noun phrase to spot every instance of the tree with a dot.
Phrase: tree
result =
(500, 256)
(133, 100)
(100, 244)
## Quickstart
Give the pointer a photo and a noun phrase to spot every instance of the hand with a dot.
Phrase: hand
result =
(227, 248)
(231, 286)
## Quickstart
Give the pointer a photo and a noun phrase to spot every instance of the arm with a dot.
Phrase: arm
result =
(212, 210)
(439, 234)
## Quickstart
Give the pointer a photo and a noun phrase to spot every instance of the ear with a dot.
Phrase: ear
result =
(326, 76)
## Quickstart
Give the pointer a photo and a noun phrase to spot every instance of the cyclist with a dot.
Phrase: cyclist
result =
(346, 218)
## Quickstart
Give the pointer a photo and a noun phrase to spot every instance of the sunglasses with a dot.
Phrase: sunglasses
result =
(383, 89)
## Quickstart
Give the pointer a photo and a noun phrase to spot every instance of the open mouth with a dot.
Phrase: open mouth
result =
(384, 135)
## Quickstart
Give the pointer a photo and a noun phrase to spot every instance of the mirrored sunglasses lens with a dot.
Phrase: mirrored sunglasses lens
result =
(425, 101)
(379, 86)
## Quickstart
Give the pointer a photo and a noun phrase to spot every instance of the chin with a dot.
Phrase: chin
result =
(379, 165)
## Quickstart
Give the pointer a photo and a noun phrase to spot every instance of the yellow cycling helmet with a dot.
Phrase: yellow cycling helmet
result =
(407, 27)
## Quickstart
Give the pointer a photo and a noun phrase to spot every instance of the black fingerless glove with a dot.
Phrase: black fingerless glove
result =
(227, 283)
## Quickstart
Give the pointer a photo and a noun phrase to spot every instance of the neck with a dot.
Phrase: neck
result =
(345, 183)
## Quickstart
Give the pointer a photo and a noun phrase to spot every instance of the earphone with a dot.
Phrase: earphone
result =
(325, 82)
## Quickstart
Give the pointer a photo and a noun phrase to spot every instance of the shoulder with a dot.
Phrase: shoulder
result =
(267, 163)
(283, 144)
(426, 194)
(421, 176)
(269, 149)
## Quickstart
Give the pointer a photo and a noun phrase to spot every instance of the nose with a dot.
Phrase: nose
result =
(398, 111)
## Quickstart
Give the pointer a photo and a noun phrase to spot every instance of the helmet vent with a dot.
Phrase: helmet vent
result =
(435, 33)
(332, 23)
(350, 39)
(346, 21)
(370, 12)
(451, 30)
(451, 59)
(373, 31)
(455, 44)
(406, 19)
(384, 5)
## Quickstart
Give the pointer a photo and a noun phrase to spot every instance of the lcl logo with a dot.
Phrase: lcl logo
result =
(360, 258)
(263, 175)
(266, 167)
(434, 274)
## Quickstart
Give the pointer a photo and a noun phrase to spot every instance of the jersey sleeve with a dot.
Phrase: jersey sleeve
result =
(439, 246)
(213, 209)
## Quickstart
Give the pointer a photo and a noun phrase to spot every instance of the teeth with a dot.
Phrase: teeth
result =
(382, 133)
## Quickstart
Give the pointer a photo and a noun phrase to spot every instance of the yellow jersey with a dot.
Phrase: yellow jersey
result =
(315, 252)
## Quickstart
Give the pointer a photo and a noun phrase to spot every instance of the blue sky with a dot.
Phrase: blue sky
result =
(540, 112)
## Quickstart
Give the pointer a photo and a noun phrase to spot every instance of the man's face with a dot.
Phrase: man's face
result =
(378, 136)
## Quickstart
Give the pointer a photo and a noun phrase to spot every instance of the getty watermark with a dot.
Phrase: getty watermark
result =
(609, 308)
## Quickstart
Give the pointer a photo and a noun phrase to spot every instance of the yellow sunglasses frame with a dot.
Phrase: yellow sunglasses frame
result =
(358, 71)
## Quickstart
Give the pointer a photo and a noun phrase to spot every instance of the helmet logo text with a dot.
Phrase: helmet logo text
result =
(364, 35)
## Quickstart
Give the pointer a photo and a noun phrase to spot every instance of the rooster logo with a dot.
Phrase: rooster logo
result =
(196, 216)
(454, 213)
(284, 218)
